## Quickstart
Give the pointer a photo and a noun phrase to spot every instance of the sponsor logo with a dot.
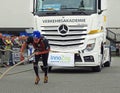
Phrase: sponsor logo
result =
(60, 58)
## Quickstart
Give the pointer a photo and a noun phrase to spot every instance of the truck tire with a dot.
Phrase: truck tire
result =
(49, 68)
(107, 64)
(42, 68)
(97, 69)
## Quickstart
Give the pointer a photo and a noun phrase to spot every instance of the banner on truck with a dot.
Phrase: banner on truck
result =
(61, 59)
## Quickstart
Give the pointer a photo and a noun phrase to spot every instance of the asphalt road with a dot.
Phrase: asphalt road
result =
(63, 80)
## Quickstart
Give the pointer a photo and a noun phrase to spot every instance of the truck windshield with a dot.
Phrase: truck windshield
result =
(65, 7)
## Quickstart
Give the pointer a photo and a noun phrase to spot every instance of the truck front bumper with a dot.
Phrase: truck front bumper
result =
(88, 59)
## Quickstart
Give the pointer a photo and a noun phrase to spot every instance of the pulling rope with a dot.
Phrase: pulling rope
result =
(8, 50)
(50, 50)
(18, 72)
(3, 74)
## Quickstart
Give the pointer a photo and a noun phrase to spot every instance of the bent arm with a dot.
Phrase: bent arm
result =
(22, 50)
(23, 47)
(42, 52)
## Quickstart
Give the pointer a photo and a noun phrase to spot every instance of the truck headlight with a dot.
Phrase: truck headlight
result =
(90, 47)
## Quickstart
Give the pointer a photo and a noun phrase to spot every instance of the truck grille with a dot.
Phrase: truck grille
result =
(74, 37)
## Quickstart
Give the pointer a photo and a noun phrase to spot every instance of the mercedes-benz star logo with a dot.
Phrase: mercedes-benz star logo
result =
(63, 29)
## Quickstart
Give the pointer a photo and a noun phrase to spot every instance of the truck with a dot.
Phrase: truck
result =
(76, 30)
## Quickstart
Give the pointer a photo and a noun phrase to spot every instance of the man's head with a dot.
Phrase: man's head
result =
(36, 36)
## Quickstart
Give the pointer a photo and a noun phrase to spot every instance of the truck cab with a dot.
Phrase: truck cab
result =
(75, 28)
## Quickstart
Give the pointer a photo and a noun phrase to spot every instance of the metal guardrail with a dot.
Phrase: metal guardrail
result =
(113, 34)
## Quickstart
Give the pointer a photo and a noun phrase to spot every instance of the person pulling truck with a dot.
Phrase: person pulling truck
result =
(41, 49)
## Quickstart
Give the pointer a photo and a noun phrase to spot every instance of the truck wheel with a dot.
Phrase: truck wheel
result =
(107, 64)
(49, 68)
(97, 69)
(42, 68)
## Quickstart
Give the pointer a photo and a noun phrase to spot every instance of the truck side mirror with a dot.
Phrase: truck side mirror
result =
(100, 11)
(31, 6)
(103, 4)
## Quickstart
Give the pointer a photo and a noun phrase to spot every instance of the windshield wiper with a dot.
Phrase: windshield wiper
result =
(79, 12)
(70, 8)
(51, 13)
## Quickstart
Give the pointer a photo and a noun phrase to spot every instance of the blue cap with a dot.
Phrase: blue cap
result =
(36, 34)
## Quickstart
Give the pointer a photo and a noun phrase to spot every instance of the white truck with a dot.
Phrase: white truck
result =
(76, 30)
